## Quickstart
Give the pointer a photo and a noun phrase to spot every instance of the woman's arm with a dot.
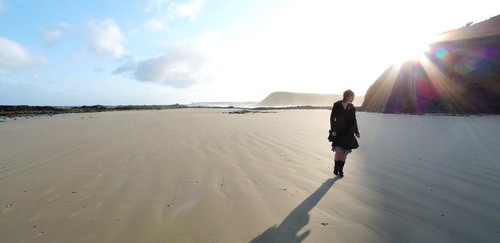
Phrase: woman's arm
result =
(333, 115)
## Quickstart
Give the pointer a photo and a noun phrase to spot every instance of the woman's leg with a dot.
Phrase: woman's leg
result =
(340, 158)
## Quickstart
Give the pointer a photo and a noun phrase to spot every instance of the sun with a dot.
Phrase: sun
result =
(410, 49)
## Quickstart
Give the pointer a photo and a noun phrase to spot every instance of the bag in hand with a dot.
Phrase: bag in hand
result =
(330, 136)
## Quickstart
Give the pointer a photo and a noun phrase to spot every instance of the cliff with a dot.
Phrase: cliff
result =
(460, 74)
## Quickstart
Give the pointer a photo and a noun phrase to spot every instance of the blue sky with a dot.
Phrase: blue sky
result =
(76, 52)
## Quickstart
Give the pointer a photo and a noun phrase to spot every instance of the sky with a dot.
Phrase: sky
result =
(160, 52)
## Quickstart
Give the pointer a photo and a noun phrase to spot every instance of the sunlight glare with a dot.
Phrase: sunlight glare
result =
(411, 50)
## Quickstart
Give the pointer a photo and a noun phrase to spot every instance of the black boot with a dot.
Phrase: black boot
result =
(336, 168)
(341, 168)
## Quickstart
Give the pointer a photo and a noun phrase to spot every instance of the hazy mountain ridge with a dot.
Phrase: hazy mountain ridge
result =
(461, 75)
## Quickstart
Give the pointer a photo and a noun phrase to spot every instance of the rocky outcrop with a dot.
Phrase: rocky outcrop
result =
(460, 74)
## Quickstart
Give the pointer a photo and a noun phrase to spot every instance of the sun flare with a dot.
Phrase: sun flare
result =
(411, 50)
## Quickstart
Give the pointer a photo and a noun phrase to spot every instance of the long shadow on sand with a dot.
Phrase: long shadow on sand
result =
(287, 231)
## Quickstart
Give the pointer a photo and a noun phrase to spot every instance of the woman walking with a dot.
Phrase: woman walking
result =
(343, 127)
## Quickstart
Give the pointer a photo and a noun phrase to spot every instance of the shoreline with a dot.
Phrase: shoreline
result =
(17, 112)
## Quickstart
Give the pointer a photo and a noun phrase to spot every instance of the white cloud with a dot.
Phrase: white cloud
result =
(181, 10)
(156, 25)
(168, 10)
(181, 65)
(155, 5)
(105, 38)
(127, 67)
(55, 33)
(176, 9)
(14, 55)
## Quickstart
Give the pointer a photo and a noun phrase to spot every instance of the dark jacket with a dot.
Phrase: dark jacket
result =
(343, 121)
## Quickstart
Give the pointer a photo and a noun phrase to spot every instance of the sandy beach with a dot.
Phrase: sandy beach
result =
(205, 175)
